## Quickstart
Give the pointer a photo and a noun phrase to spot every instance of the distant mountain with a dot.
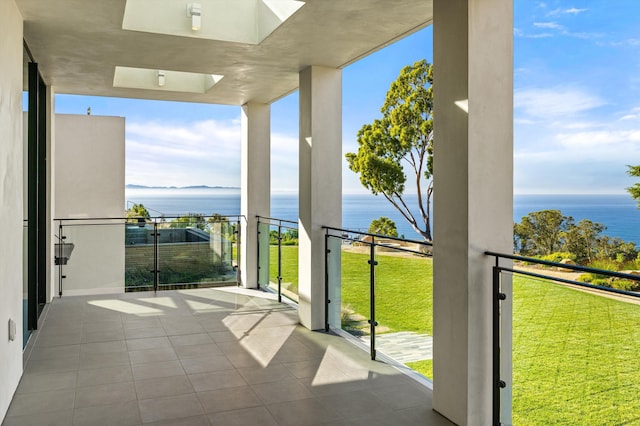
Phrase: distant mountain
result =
(132, 186)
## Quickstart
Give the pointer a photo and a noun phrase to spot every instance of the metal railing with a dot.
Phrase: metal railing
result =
(372, 242)
(501, 296)
(95, 255)
(265, 243)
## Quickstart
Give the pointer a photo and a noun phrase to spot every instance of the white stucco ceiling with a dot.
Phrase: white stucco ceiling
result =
(79, 44)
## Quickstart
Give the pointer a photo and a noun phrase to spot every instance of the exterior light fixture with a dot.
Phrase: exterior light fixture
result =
(194, 11)
(161, 76)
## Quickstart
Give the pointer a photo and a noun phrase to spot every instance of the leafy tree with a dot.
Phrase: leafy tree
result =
(383, 226)
(540, 233)
(635, 189)
(137, 213)
(402, 137)
(192, 220)
(583, 239)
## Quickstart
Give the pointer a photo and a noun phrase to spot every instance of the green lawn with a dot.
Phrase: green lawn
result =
(574, 357)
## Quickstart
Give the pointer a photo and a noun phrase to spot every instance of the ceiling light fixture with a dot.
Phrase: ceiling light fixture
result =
(161, 76)
(194, 11)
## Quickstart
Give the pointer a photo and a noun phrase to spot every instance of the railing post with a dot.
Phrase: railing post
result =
(258, 258)
(61, 240)
(372, 296)
(280, 262)
(498, 384)
(239, 251)
(326, 280)
(155, 256)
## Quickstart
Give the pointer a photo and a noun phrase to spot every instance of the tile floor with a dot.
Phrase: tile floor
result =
(222, 356)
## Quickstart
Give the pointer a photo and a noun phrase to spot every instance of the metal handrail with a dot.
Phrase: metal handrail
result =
(578, 268)
(386, 237)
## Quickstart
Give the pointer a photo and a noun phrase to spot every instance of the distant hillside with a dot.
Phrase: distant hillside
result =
(131, 186)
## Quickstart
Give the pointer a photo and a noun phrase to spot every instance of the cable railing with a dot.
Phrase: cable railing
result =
(571, 346)
(110, 255)
(278, 257)
(379, 290)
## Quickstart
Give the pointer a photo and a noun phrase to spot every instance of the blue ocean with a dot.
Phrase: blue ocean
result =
(619, 213)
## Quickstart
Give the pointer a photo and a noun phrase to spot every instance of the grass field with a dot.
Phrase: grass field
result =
(575, 354)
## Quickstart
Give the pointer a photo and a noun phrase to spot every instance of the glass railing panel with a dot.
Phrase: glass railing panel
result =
(264, 254)
(139, 252)
(289, 263)
(195, 251)
(355, 286)
(96, 265)
(404, 305)
(574, 355)
(25, 284)
(334, 280)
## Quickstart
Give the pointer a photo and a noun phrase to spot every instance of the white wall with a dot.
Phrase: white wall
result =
(10, 199)
(89, 171)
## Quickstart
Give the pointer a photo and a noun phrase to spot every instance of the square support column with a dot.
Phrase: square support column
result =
(320, 183)
(255, 197)
(473, 211)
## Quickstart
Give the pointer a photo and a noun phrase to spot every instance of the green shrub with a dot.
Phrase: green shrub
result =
(604, 282)
(626, 285)
(558, 256)
(585, 278)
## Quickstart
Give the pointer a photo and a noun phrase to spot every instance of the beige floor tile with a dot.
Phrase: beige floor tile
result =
(157, 369)
(228, 399)
(216, 380)
(152, 355)
(50, 352)
(163, 386)
(206, 364)
(301, 412)
(143, 333)
(108, 394)
(202, 420)
(90, 361)
(122, 414)
(275, 373)
(41, 402)
(103, 347)
(198, 350)
(102, 336)
(174, 407)
(53, 365)
(103, 376)
(47, 382)
(148, 343)
(49, 418)
(256, 416)
(190, 339)
(355, 404)
(284, 390)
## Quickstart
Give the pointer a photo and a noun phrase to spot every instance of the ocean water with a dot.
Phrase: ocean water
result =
(619, 213)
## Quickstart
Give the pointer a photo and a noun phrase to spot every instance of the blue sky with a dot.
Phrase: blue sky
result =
(576, 108)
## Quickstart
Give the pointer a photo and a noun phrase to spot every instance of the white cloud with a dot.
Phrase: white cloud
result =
(553, 103)
(569, 11)
(548, 25)
(199, 153)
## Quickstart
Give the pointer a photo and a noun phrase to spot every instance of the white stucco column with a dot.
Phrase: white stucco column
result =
(255, 183)
(473, 95)
(320, 183)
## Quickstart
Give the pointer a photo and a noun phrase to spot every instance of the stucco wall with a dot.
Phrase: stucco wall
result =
(10, 199)
(89, 183)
